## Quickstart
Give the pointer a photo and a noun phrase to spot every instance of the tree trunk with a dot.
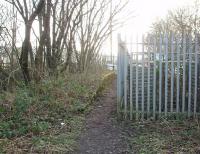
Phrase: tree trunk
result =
(26, 48)
(39, 57)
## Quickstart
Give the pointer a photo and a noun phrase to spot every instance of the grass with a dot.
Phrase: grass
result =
(177, 136)
(47, 118)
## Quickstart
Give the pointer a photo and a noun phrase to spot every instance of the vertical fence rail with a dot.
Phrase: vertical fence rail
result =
(190, 76)
(125, 84)
(166, 73)
(118, 76)
(148, 81)
(154, 80)
(131, 87)
(196, 73)
(142, 77)
(172, 74)
(158, 77)
(184, 71)
(178, 78)
(136, 94)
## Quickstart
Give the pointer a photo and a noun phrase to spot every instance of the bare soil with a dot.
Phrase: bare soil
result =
(103, 133)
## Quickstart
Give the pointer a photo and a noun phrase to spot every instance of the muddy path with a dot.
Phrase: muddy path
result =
(103, 134)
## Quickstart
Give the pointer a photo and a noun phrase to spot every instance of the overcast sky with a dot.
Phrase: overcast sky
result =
(146, 12)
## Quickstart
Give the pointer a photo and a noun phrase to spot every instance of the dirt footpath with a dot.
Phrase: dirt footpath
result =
(103, 134)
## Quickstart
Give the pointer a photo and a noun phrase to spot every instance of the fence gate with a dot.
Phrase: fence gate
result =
(160, 76)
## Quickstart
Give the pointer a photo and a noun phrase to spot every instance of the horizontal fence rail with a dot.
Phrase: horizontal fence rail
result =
(159, 77)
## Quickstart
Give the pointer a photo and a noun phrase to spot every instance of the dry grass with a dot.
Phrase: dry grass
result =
(178, 136)
(47, 118)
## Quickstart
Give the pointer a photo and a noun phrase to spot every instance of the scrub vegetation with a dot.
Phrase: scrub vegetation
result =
(48, 117)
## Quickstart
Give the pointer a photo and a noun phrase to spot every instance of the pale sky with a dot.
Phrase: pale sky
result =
(146, 12)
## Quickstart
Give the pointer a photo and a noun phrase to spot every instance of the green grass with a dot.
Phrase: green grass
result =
(60, 141)
(47, 117)
(165, 137)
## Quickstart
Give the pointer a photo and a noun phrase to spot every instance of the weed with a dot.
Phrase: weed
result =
(165, 137)
(46, 117)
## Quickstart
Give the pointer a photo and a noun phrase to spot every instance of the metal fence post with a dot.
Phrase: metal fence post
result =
(190, 76)
(196, 74)
(119, 75)
(172, 73)
(178, 78)
(154, 80)
(184, 71)
(166, 73)
(160, 76)
(143, 76)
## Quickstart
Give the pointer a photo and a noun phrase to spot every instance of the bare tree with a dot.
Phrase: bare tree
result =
(70, 35)
(95, 29)
(28, 16)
